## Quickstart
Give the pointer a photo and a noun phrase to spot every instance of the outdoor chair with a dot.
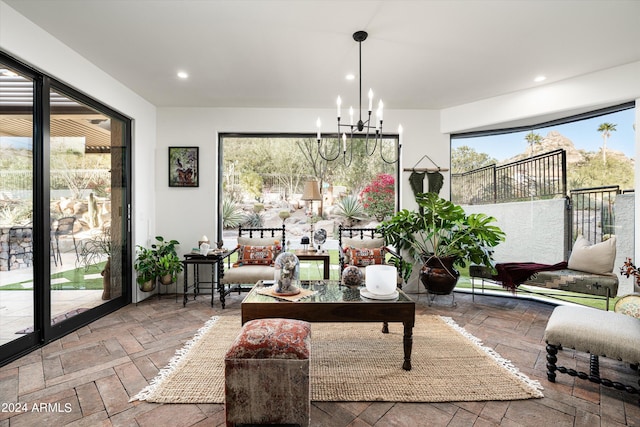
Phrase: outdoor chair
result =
(257, 250)
(65, 227)
(365, 246)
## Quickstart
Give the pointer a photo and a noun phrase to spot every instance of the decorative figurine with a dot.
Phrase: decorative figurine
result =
(287, 274)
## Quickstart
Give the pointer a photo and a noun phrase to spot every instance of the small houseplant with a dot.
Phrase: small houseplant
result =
(442, 236)
(169, 265)
(161, 262)
(146, 266)
(167, 261)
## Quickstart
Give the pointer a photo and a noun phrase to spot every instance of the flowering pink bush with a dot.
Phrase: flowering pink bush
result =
(378, 198)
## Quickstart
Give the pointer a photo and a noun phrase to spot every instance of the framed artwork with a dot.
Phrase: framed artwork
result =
(183, 167)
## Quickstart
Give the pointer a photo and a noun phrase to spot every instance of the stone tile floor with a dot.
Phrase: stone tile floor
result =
(87, 377)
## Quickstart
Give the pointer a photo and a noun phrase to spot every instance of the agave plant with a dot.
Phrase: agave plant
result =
(232, 215)
(351, 209)
(254, 220)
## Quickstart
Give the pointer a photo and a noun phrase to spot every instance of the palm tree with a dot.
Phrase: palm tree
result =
(532, 139)
(606, 129)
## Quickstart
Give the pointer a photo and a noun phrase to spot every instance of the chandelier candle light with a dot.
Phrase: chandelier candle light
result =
(367, 127)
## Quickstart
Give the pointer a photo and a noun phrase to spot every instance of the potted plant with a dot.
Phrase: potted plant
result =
(146, 266)
(442, 236)
(167, 261)
(169, 266)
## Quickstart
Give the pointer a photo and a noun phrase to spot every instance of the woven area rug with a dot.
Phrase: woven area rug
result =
(357, 362)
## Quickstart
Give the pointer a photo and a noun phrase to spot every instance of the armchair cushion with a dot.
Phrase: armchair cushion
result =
(248, 274)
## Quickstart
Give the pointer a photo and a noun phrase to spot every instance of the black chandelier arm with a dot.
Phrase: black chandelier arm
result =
(375, 144)
(390, 162)
(328, 159)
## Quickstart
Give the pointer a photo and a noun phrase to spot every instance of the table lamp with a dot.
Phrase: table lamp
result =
(311, 192)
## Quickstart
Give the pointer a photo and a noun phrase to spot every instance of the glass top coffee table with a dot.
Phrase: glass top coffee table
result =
(333, 302)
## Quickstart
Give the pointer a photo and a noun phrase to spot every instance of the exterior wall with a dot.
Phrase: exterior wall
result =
(535, 230)
(625, 244)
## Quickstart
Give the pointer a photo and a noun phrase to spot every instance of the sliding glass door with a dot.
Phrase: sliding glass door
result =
(86, 204)
(16, 208)
(64, 209)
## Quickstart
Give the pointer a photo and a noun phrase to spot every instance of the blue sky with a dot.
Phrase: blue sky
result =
(584, 135)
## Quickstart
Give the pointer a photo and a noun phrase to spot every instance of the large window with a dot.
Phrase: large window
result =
(262, 179)
(599, 150)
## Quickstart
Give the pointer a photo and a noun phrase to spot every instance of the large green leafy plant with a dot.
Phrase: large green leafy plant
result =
(443, 229)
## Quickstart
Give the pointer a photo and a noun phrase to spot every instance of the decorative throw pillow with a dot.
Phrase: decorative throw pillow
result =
(256, 255)
(596, 259)
(361, 257)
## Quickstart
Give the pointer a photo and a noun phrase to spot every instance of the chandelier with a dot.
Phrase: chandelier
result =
(369, 129)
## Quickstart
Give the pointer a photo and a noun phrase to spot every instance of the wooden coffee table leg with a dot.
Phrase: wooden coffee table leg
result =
(407, 340)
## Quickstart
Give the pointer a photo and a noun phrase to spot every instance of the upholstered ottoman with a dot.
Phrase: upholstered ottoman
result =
(598, 332)
(267, 373)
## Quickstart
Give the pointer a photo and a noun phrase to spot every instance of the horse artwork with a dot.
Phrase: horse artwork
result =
(183, 167)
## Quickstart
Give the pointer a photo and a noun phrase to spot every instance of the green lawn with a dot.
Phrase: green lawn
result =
(75, 279)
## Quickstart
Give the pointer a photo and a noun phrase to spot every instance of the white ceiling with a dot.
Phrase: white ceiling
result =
(275, 53)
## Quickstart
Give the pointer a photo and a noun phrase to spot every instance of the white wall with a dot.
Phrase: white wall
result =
(25, 41)
(185, 214)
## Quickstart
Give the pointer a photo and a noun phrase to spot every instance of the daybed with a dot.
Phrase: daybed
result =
(589, 271)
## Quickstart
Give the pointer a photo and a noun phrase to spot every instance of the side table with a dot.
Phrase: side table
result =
(217, 267)
(315, 256)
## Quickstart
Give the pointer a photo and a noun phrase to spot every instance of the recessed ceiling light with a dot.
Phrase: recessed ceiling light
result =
(183, 74)
(539, 79)
(350, 76)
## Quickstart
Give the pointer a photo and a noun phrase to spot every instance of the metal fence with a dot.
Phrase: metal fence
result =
(59, 180)
(593, 212)
(538, 177)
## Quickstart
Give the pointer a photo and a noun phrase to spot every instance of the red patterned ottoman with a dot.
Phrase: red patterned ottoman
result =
(267, 373)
